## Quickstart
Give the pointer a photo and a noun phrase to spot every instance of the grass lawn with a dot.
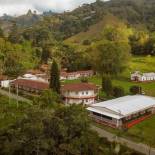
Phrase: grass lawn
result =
(143, 132)
(148, 88)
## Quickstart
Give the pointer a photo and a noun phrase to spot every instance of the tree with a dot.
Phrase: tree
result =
(55, 77)
(15, 35)
(63, 132)
(80, 138)
(118, 92)
(12, 66)
(135, 90)
(139, 42)
(46, 54)
(107, 85)
(48, 98)
(1, 33)
(111, 57)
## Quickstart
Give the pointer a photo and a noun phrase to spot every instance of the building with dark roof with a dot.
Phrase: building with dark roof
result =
(30, 85)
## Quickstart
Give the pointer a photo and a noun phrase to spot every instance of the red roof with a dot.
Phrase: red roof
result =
(31, 84)
(79, 87)
(3, 77)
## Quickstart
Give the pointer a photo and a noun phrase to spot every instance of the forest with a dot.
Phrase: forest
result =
(31, 40)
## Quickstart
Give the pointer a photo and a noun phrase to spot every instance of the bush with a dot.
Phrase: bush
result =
(118, 92)
(84, 80)
(135, 90)
(86, 42)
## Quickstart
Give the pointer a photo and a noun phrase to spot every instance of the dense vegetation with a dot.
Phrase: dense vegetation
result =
(43, 130)
(41, 37)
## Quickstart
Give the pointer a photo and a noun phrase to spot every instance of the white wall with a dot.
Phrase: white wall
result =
(86, 97)
(81, 101)
(79, 94)
(5, 83)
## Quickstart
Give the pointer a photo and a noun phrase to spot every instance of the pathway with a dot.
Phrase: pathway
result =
(139, 147)
(14, 96)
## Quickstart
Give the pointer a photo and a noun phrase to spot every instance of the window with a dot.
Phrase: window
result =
(87, 92)
(82, 93)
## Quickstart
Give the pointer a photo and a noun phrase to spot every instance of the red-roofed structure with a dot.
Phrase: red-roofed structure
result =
(79, 93)
(30, 85)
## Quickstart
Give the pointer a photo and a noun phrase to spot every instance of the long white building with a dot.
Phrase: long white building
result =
(142, 77)
(123, 112)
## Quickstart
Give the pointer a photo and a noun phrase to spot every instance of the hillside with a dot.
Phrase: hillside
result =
(43, 36)
(23, 21)
(94, 32)
(136, 13)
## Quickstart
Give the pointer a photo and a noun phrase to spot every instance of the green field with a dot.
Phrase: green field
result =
(141, 133)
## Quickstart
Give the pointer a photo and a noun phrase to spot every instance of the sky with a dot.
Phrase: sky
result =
(18, 7)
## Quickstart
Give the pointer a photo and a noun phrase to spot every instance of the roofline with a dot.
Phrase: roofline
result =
(122, 115)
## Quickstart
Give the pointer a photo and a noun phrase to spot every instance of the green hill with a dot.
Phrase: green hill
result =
(94, 32)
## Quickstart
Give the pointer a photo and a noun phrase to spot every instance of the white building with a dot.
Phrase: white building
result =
(142, 77)
(38, 77)
(75, 75)
(79, 93)
(6, 83)
(123, 112)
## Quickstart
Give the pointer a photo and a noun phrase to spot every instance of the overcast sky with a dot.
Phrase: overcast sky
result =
(18, 7)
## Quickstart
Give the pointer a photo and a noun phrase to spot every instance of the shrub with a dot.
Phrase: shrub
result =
(118, 92)
(86, 42)
(135, 90)
(84, 80)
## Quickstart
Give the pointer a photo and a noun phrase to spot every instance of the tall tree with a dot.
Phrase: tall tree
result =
(1, 33)
(111, 57)
(15, 35)
(107, 85)
(55, 77)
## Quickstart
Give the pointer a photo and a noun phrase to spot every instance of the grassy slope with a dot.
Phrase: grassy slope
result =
(94, 32)
(142, 132)
(9, 113)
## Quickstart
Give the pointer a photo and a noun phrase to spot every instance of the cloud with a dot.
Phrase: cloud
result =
(18, 7)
